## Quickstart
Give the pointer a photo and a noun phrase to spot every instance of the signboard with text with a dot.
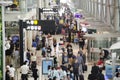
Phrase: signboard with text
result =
(1, 46)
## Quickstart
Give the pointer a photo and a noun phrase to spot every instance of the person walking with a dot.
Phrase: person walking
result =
(24, 69)
(12, 72)
(54, 44)
(33, 60)
(7, 73)
(35, 73)
(28, 56)
(50, 73)
(49, 50)
(76, 70)
(80, 61)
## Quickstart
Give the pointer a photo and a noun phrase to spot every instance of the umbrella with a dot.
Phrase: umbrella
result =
(115, 46)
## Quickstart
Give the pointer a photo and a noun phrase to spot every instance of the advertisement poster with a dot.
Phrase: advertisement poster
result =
(109, 72)
(1, 46)
(45, 64)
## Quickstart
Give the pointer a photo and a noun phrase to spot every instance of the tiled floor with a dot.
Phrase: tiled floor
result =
(42, 77)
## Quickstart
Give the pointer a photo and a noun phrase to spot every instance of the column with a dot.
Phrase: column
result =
(101, 11)
(23, 5)
(116, 18)
(29, 39)
(39, 5)
(97, 10)
(94, 8)
(107, 12)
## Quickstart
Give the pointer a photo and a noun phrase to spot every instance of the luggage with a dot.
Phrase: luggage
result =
(85, 67)
(81, 77)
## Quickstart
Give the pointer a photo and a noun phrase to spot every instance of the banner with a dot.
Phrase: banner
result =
(1, 46)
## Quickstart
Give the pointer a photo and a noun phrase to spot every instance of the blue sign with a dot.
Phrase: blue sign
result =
(109, 72)
(45, 64)
(77, 15)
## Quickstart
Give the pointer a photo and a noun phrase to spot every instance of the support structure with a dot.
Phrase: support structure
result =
(107, 11)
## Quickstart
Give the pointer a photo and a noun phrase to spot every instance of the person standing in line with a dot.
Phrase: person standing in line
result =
(12, 72)
(24, 69)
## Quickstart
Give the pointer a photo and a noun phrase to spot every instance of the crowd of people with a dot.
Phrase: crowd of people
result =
(72, 67)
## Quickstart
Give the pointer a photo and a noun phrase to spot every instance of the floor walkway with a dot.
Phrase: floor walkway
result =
(39, 62)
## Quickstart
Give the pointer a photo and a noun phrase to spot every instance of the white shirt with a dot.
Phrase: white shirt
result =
(116, 78)
(12, 71)
(33, 58)
(24, 69)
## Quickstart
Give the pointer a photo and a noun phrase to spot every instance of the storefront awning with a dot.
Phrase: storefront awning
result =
(115, 45)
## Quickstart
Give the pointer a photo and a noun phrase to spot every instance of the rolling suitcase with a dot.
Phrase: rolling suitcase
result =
(85, 67)
(81, 77)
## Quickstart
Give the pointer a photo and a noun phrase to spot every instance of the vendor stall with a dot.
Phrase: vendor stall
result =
(112, 66)
(96, 40)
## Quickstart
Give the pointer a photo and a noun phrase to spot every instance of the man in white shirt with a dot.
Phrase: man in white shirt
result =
(12, 72)
(24, 71)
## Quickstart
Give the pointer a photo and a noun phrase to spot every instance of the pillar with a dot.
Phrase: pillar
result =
(107, 13)
(29, 39)
(116, 14)
(23, 6)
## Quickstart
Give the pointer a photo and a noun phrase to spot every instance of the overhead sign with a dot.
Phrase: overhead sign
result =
(77, 15)
(32, 25)
(47, 10)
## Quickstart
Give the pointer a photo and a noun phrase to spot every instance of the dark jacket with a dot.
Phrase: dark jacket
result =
(101, 76)
(35, 73)
(75, 68)
(92, 77)
(95, 70)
